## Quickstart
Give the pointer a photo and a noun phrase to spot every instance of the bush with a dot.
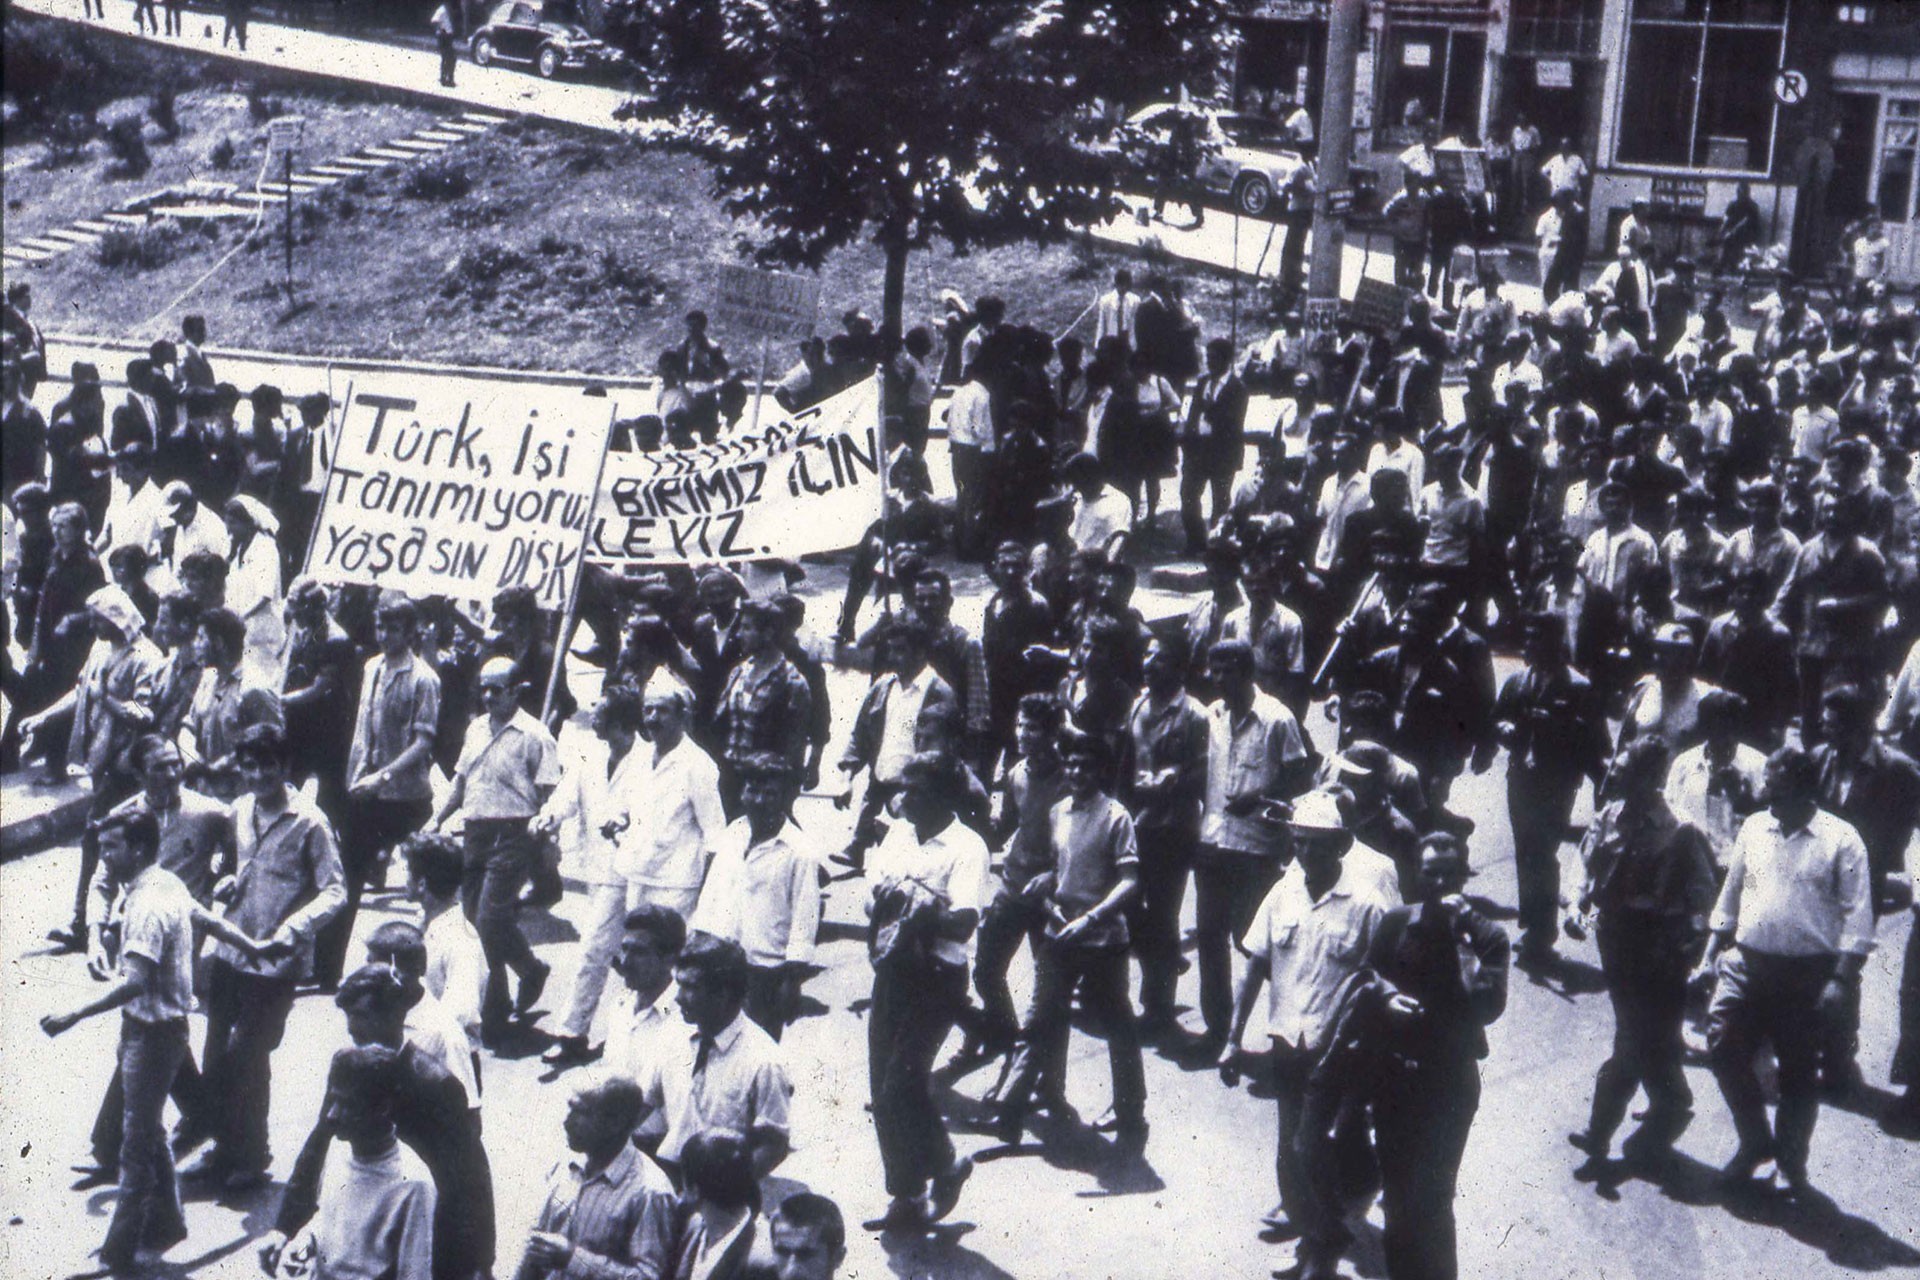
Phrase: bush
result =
(478, 271)
(67, 137)
(139, 248)
(160, 109)
(439, 179)
(260, 107)
(223, 154)
(128, 141)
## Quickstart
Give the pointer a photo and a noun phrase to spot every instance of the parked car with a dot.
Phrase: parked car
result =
(519, 31)
(1245, 158)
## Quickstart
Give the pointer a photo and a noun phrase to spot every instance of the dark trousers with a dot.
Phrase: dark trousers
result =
(1293, 250)
(174, 9)
(1421, 1117)
(1768, 999)
(145, 15)
(1228, 888)
(1409, 263)
(1562, 273)
(1100, 976)
(768, 1002)
(148, 1212)
(1206, 466)
(1153, 914)
(1540, 806)
(246, 1019)
(1906, 1053)
(1007, 922)
(969, 497)
(914, 1006)
(449, 55)
(1318, 1161)
(109, 789)
(1646, 970)
(371, 828)
(499, 857)
(236, 26)
(866, 827)
(109, 1123)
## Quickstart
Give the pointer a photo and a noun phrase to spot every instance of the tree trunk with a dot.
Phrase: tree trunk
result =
(893, 292)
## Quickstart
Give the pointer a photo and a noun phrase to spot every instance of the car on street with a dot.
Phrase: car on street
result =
(1245, 158)
(520, 32)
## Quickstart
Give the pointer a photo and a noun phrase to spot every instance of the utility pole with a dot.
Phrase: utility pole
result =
(1346, 20)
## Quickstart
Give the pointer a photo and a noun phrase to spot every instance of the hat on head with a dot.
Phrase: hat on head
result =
(1318, 811)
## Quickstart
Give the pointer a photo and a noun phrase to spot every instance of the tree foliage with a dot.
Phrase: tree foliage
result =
(911, 120)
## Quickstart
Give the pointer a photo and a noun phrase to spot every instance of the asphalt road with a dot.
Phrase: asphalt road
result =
(1071, 1208)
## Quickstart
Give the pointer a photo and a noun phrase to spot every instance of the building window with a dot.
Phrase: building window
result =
(1696, 90)
(1555, 28)
(1899, 151)
(1857, 14)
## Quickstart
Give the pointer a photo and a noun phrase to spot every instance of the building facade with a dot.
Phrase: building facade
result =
(1812, 105)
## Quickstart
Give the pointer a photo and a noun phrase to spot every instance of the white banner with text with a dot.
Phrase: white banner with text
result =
(805, 482)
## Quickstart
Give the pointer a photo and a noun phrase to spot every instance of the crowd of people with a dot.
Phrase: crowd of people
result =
(1702, 550)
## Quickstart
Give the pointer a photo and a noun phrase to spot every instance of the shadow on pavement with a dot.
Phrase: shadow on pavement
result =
(937, 1251)
(1814, 1219)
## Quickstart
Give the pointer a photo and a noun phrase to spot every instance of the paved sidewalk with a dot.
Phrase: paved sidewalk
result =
(371, 62)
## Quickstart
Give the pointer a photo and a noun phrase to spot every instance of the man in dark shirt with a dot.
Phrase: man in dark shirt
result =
(1016, 620)
(1650, 881)
(1165, 787)
(1555, 732)
(1431, 1034)
(434, 1120)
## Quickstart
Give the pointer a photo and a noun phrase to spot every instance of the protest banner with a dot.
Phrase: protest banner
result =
(461, 494)
(769, 304)
(808, 482)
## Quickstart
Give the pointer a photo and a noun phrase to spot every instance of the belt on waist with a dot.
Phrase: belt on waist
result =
(491, 823)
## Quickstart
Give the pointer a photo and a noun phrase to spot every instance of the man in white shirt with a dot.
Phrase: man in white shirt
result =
(1565, 171)
(725, 1072)
(1791, 934)
(1255, 754)
(1113, 314)
(188, 527)
(456, 973)
(671, 835)
(1307, 941)
(1715, 785)
(927, 883)
(763, 892)
(971, 441)
(134, 509)
(1102, 514)
(590, 810)
(644, 1028)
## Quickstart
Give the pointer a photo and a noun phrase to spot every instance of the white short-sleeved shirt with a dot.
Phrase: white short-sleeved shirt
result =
(1312, 949)
(954, 864)
(743, 1086)
(156, 924)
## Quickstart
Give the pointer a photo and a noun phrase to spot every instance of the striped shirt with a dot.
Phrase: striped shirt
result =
(620, 1220)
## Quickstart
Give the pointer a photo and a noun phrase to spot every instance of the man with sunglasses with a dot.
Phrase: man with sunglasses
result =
(506, 772)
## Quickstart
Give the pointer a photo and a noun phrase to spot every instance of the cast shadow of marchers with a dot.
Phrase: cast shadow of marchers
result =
(1566, 977)
(1814, 1219)
(171, 1269)
(936, 1251)
(543, 928)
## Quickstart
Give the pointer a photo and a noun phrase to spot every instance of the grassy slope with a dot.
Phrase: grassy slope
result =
(607, 244)
(39, 198)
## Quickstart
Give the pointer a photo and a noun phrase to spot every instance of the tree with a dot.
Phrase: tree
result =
(911, 120)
